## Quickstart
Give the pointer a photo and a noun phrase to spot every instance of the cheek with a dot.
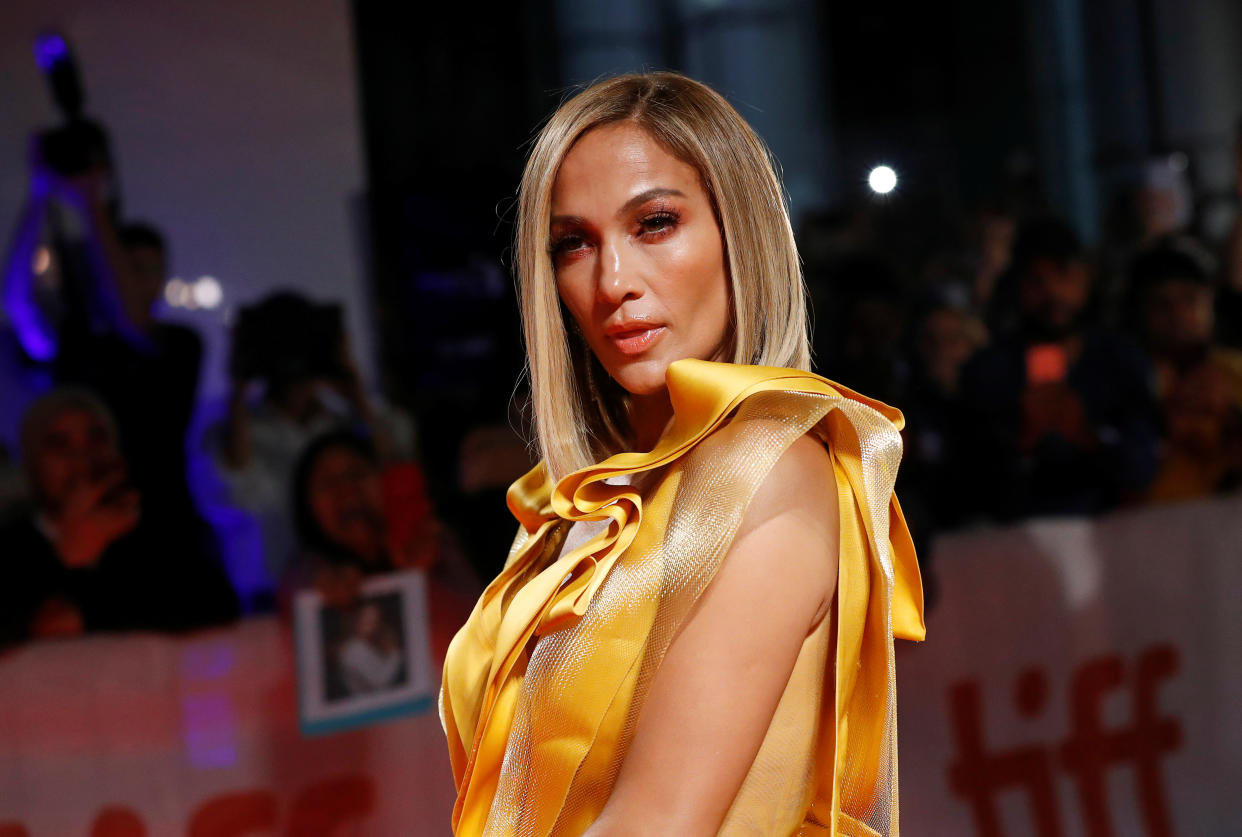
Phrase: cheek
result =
(51, 474)
(716, 291)
(697, 280)
(577, 303)
(324, 507)
(372, 491)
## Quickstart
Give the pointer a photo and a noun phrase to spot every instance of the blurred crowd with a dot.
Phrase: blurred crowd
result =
(1038, 376)
(99, 526)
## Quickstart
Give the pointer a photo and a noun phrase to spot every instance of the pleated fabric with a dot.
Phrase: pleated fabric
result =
(544, 685)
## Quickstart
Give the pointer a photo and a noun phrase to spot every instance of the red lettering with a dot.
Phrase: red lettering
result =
(13, 829)
(980, 775)
(1091, 749)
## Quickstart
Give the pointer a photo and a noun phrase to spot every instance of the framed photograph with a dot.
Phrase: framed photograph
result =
(365, 663)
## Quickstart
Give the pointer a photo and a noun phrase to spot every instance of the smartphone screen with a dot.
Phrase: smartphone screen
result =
(405, 500)
(1046, 363)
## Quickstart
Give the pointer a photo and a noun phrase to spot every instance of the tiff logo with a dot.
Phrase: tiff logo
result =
(1087, 753)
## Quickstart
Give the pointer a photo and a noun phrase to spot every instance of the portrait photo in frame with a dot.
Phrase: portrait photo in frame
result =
(365, 663)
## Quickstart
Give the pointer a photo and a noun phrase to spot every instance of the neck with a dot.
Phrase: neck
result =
(649, 418)
(139, 315)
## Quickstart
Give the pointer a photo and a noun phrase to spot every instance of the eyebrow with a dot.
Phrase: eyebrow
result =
(637, 200)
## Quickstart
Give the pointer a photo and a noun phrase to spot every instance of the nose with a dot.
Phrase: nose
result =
(617, 280)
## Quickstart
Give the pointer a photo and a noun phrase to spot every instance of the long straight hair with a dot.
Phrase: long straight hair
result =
(580, 412)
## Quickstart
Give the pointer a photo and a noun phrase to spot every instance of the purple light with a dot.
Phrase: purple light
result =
(50, 49)
(209, 728)
(35, 337)
(208, 660)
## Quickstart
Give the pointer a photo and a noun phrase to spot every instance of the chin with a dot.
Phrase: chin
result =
(643, 377)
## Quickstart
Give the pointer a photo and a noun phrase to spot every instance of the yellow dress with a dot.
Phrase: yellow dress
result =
(544, 684)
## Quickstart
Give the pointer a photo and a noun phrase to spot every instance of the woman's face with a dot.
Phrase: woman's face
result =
(347, 499)
(75, 448)
(368, 621)
(638, 256)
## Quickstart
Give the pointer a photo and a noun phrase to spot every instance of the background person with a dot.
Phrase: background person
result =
(294, 379)
(357, 517)
(98, 329)
(1198, 381)
(1061, 411)
(88, 555)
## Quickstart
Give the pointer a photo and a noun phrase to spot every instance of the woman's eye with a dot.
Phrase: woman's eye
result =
(658, 223)
(567, 244)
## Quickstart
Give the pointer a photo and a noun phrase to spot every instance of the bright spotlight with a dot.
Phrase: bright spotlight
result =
(882, 180)
(173, 291)
(207, 292)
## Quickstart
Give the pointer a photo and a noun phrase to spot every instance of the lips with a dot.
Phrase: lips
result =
(634, 338)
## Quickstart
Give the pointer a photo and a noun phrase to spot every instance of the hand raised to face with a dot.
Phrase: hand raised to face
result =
(96, 513)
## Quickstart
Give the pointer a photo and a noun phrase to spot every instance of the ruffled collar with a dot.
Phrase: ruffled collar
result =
(703, 395)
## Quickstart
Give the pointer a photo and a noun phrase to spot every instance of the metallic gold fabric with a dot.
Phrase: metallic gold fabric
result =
(544, 685)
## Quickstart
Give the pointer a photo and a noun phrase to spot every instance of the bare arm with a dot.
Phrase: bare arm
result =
(109, 268)
(719, 685)
(111, 274)
(36, 334)
(237, 447)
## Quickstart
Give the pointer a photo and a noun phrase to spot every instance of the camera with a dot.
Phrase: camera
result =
(286, 338)
(80, 144)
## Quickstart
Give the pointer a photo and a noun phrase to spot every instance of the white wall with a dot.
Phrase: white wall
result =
(236, 129)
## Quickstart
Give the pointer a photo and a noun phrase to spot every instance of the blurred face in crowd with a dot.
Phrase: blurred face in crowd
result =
(997, 232)
(1178, 316)
(1053, 296)
(1159, 211)
(638, 255)
(76, 447)
(148, 268)
(347, 499)
(946, 340)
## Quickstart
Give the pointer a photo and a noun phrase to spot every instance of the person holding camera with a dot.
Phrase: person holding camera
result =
(98, 331)
(89, 556)
(294, 379)
(80, 288)
(1061, 412)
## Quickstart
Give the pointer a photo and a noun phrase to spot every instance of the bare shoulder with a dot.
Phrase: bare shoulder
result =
(801, 485)
(787, 545)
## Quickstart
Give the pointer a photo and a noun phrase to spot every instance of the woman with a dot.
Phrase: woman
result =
(355, 519)
(711, 530)
(370, 658)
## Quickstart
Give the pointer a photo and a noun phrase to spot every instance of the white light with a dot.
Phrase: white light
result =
(174, 290)
(882, 180)
(207, 292)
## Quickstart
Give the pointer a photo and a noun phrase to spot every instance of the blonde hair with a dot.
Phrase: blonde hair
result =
(580, 412)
